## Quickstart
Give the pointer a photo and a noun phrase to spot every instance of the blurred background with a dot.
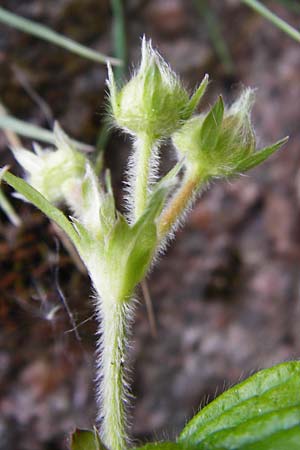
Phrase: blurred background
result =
(226, 296)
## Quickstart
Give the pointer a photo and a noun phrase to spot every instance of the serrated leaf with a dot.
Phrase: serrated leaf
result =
(211, 126)
(262, 412)
(86, 440)
(257, 158)
(38, 200)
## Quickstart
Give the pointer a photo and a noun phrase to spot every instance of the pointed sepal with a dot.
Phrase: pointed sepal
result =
(260, 156)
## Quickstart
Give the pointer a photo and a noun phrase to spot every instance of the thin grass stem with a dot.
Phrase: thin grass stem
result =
(8, 209)
(35, 132)
(277, 21)
(120, 52)
(214, 30)
(42, 32)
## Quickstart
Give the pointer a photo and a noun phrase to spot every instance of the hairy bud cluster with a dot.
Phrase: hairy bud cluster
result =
(119, 250)
(152, 106)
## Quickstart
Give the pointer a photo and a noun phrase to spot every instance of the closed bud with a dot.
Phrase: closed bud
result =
(153, 102)
(222, 143)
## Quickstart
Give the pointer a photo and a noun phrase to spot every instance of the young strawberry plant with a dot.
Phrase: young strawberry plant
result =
(118, 249)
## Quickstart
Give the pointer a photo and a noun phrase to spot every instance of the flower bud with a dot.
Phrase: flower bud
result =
(49, 171)
(222, 143)
(153, 102)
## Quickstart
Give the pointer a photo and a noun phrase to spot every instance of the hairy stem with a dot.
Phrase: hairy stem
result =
(112, 388)
(144, 172)
(179, 203)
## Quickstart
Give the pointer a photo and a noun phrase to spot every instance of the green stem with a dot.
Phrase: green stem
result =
(277, 21)
(144, 173)
(112, 388)
(43, 32)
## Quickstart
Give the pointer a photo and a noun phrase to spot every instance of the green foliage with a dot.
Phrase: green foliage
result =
(259, 413)
(86, 440)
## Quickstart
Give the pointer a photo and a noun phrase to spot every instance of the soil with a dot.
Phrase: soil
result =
(226, 295)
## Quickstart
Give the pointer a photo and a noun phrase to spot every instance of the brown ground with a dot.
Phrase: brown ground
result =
(226, 295)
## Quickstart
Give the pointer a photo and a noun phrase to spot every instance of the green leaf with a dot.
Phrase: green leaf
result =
(38, 200)
(259, 157)
(86, 440)
(211, 126)
(260, 413)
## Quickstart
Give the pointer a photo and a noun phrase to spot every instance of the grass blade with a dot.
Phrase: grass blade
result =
(119, 37)
(277, 21)
(8, 209)
(120, 52)
(43, 32)
(214, 30)
(34, 132)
